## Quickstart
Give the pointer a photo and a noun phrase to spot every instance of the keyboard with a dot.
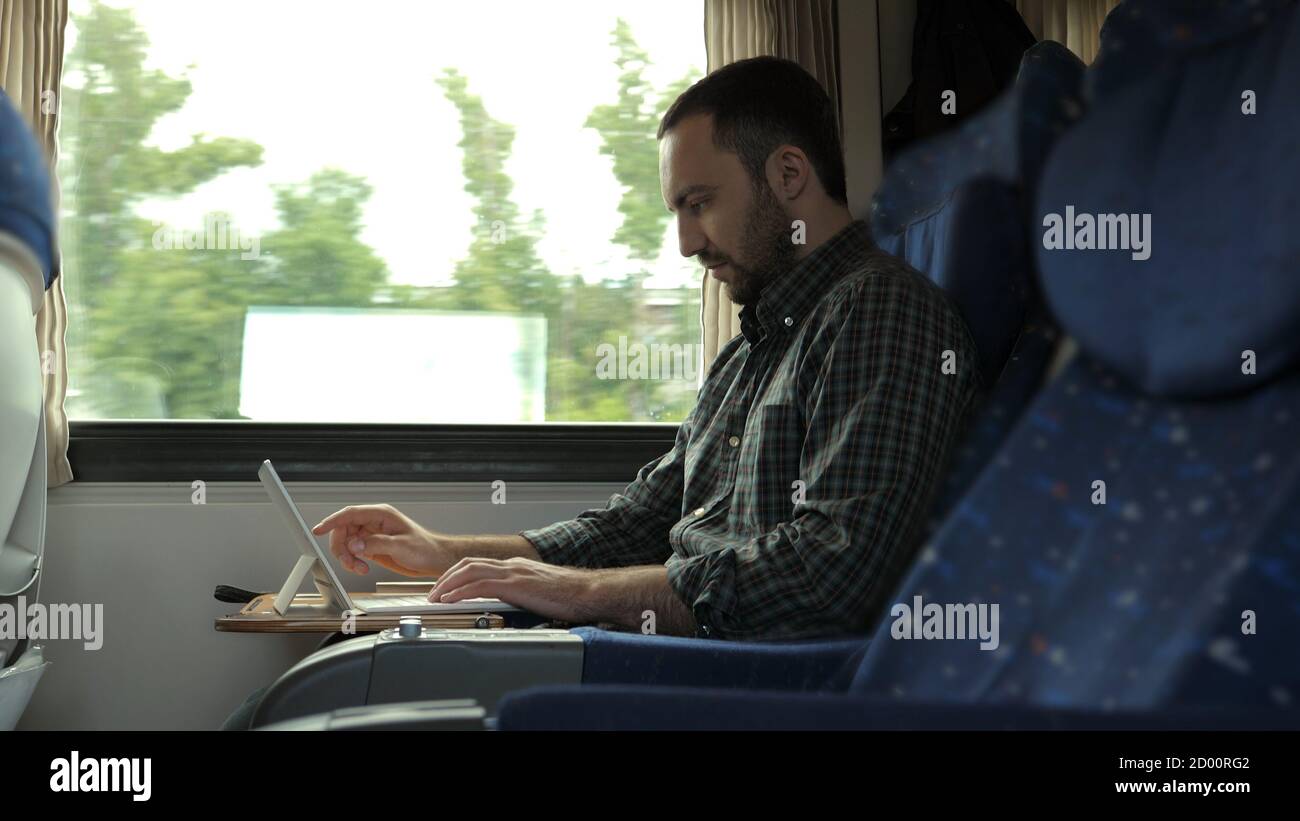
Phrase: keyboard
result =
(395, 601)
(420, 604)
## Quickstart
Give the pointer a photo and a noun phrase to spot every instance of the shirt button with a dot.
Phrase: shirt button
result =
(789, 321)
(734, 441)
(699, 511)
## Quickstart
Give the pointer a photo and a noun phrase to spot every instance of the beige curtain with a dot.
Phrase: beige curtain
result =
(799, 30)
(31, 66)
(1074, 23)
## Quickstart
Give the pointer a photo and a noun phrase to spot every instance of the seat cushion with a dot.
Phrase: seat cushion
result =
(632, 658)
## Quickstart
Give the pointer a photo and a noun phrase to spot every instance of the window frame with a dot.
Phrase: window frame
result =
(231, 451)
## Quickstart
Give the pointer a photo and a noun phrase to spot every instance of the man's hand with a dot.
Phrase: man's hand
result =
(563, 593)
(386, 536)
(617, 595)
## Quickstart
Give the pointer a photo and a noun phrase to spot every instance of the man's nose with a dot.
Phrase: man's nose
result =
(690, 240)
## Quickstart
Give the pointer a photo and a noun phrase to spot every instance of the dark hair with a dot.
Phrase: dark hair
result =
(762, 103)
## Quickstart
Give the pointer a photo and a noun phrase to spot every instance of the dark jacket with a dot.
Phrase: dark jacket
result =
(972, 47)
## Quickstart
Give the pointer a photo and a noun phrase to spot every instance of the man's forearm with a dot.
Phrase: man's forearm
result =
(492, 547)
(629, 596)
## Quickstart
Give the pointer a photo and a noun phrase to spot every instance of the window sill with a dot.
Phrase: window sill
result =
(182, 451)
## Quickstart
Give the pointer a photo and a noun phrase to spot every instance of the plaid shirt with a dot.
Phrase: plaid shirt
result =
(795, 493)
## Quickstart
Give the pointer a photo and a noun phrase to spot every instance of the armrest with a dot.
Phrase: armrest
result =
(632, 658)
(657, 708)
(448, 714)
(389, 668)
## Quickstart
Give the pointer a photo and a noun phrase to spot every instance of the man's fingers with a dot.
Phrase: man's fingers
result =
(495, 588)
(333, 520)
(374, 517)
(376, 544)
(465, 572)
(339, 547)
(343, 542)
(353, 546)
(350, 526)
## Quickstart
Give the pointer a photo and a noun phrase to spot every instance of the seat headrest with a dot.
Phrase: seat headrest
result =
(1139, 34)
(26, 206)
(1008, 141)
(956, 208)
(1195, 159)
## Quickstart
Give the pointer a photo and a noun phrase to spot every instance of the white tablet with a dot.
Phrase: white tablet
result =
(314, 560)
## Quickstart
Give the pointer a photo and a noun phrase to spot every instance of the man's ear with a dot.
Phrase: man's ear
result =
(788, 172)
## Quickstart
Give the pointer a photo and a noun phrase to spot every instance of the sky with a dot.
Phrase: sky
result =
(350, 85)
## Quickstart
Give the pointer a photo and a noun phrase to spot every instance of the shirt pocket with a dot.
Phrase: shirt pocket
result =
(769, 464)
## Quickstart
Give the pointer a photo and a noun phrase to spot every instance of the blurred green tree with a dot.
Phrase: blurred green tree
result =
(158, 332)
(502, 271)
(627, 129)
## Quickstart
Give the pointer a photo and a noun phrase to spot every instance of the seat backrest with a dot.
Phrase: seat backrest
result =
(25, 205)
(1126, 603)
(957, 208)
(26, 268)
(1139, 531)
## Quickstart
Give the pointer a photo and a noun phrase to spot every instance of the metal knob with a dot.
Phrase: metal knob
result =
(409, 627)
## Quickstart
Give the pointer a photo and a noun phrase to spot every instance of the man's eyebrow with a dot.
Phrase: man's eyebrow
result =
(682, 195)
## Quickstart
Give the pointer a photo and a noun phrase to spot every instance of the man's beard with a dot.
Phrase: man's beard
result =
(766, 246)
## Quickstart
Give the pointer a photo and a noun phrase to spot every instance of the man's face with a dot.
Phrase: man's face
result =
(735, 225)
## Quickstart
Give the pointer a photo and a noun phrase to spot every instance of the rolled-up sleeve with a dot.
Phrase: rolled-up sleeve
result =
(632, 529)
(882, 418)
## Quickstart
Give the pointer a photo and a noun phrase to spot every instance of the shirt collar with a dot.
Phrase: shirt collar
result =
(788, 298)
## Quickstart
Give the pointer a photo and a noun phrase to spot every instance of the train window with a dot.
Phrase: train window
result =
(407, 212)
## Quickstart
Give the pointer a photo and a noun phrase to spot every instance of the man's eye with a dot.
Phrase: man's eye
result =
(697, 205)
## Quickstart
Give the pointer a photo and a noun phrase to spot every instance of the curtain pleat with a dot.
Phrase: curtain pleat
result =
(800, 30)
(1076, 24)
(31, 69)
